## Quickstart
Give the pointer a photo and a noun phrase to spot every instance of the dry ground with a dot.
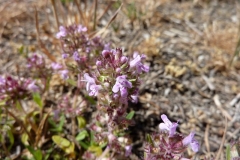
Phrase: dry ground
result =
(189, 45)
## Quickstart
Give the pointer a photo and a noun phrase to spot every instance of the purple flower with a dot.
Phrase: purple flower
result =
(32, 87)
(81, 29)
(134, 98)
(128, 150)
(124, 59)
(98, 63)
(91, 86)
(64, 55)
(94, 90)
(2, 80)
(105, 53)
(168, 125)
(121, 83)
(76, 56)
(107, 46)
(56, 66)
(136, 62)
(64, 74)
(62, 32)
(189, 140)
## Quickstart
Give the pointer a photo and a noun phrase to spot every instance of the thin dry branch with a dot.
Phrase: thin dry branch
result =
(55, 12)
(223, 140)
(44, 49)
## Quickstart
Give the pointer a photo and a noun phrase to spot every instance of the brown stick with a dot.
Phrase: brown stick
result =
(95, 15)
(223, 140)
(44, 49)
(80, 12)
(55, 12)
(21, 124)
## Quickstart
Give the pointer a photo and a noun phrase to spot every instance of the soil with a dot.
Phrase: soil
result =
(194, 76)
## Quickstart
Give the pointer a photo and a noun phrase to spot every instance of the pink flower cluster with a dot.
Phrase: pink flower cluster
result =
(37, 65)
(76, 43)
(65, 105)
(168, 144)
(118, 75)
(15, 89)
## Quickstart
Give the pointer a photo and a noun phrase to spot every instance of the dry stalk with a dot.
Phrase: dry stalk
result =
(21, 124)
(80, 12)
(44, 49)
(95, 15)
(206, 138)
(223, 140)
(55, 13)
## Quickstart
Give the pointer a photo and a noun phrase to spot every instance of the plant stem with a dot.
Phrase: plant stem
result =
(21, 124)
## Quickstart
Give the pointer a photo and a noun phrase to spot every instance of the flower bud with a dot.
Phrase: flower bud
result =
(118, 70)
(124, 59)
(99, 63)
(105, 53)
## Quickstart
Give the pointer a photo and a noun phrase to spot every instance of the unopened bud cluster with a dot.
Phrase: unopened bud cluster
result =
(65, 105)
(16, 89)
(37, 65)
(77, 44)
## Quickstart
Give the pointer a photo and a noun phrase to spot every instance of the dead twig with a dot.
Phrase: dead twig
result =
(219, 106)
(80, 12)
(44, 49)
(55, 12)
(111, 20)
(206, 135)
(223, 140)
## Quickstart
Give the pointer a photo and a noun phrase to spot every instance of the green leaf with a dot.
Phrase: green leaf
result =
(72, 82)
(130, 115)
(149, 139)
(57, 127)
(91, 100)
(21, 49)
(70, 149)
(104, 144)
(96, 149)
(64, 144)
(82, 135)
(37, 154)
(83, 144)
(48, 153)
(81, 122)
(11, 138)
(2, 102)
(37, 98)
(103, 78)
(24, 139)
(228, 153)
(61, 142)
(91, 138)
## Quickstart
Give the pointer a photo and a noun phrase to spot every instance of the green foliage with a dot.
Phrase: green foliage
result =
(66, 1)
(228, 153)
(132, 11)
(37, 154)
(23, 51)
(57, 127)
(91, 100)
(82, 135)
(149, 139)
(64, 144)
(72, 82)
(130, 115)
(37, 99)
(81, 122)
